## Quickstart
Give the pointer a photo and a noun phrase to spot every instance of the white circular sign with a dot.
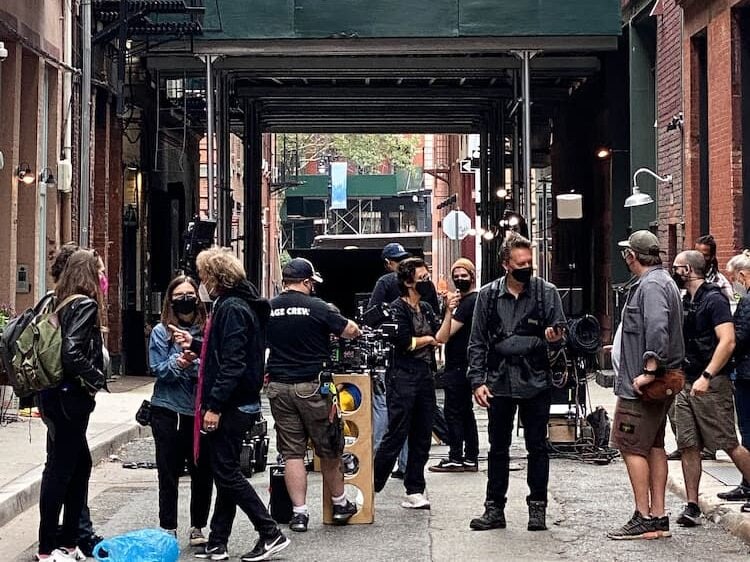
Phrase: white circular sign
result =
(456, 225)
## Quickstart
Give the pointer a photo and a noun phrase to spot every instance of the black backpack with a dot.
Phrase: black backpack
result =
(12, 331)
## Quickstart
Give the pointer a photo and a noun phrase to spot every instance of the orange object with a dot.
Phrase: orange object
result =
(442, 285)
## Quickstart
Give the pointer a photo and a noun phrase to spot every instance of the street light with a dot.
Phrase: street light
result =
(638, 198)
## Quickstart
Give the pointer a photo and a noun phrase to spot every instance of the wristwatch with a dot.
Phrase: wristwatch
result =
(707, 375)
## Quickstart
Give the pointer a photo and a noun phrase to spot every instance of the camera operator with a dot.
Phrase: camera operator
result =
(298, 337)
(459, 411)
(516, 319)
(410, 383)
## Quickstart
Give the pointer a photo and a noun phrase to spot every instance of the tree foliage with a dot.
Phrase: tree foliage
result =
(369, 152)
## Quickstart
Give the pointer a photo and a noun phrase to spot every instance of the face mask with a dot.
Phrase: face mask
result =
(522, 275)
(203, 293)
(462, 285)
(184, 305)
(423, 288)
(739, 289)
(103, 284)
(679, 280)
(311, 286)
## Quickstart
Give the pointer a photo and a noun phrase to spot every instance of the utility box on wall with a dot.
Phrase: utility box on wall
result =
(23, 285)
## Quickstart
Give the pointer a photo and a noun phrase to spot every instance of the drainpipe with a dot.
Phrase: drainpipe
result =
(83, 215)
(67, 91)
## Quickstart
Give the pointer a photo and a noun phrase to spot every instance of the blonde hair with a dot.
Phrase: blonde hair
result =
(219, 268)
(740, 262)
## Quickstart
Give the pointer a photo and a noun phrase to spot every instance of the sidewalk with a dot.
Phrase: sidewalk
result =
(112, 424)
(718, 476)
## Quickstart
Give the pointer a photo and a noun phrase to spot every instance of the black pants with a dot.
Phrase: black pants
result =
(173, 436)
(232, 488)
(459, 416)
(411, 405)
(65, 411)
(534, 414)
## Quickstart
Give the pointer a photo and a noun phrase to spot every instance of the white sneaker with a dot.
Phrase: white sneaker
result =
(59, 555)
(416, 501)
(74, 554)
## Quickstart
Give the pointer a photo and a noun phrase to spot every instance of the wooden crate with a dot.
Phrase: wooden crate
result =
(561, 430)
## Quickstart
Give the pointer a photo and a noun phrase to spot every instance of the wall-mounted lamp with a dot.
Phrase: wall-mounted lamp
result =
(24, 173)
(46, 176)
(502, 193)
(605, 152)
(637, 198)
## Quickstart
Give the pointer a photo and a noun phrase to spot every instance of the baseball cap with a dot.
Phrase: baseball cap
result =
(394, 251)
(643, 242)
(300, 268)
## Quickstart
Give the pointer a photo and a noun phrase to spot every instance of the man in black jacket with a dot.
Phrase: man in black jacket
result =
(230, 379)
(516, 319)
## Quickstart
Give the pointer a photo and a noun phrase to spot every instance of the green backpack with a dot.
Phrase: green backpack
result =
(37, 360)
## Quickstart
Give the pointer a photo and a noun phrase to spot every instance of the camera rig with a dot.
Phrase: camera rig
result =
(369, 352)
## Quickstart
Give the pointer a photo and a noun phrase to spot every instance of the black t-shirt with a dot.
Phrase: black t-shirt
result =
(299, 335)
(708, 309)
(455, 349)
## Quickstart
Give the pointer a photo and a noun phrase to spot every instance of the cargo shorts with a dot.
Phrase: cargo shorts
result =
(639, 426)
(708, 420)
(301, 413)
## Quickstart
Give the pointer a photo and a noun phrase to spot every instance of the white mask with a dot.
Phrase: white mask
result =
(203, 293)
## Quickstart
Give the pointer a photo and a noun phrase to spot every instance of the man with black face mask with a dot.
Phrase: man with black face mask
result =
(517, 319)
(410, 384)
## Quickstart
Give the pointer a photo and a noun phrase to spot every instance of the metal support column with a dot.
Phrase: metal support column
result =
(210, 118)
(253, 178)
(85, 189)
(225, 211)
(526, 57)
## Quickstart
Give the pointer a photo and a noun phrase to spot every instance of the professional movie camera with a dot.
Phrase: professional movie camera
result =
(369, 352)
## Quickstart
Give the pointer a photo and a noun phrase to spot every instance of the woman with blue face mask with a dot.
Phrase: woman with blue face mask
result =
(173, 409)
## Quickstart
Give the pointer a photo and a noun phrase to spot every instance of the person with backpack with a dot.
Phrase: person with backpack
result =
(517, 321)
(66, 408)
(173, 409)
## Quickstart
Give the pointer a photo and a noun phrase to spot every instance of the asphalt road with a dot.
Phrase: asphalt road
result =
(586, 500)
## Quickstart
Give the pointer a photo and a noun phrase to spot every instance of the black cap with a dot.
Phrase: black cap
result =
(300, 268)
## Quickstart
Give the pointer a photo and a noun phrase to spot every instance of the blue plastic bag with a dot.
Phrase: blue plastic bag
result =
(145, 545)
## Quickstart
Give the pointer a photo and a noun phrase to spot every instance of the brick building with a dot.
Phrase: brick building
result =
(716, 91)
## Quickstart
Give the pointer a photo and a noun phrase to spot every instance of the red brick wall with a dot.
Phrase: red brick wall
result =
(724, 134)
(669, 104)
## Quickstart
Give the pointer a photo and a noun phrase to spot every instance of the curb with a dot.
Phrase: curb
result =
(713, 509)
(23, 492)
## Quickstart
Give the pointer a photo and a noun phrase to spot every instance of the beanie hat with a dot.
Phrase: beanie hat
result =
(467, 265)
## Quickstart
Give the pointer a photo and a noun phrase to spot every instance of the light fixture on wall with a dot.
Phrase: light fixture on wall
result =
(638, 198)
(24, 173)
(46, 176)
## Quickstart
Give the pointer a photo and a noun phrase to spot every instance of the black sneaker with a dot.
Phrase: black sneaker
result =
(213, 552)
(639, 527)
(87, 545)
(397, 474)
(661, 526)
(342, 513)
(299, 522)
(738, 494)
(471, 466)
(447, 465)
(690, 516)
(267, 547)
(674, 455)
(493, 518)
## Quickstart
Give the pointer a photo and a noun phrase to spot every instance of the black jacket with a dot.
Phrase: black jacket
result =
(233, 371)
(742, 338)
(82, 343)
(403, 356)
